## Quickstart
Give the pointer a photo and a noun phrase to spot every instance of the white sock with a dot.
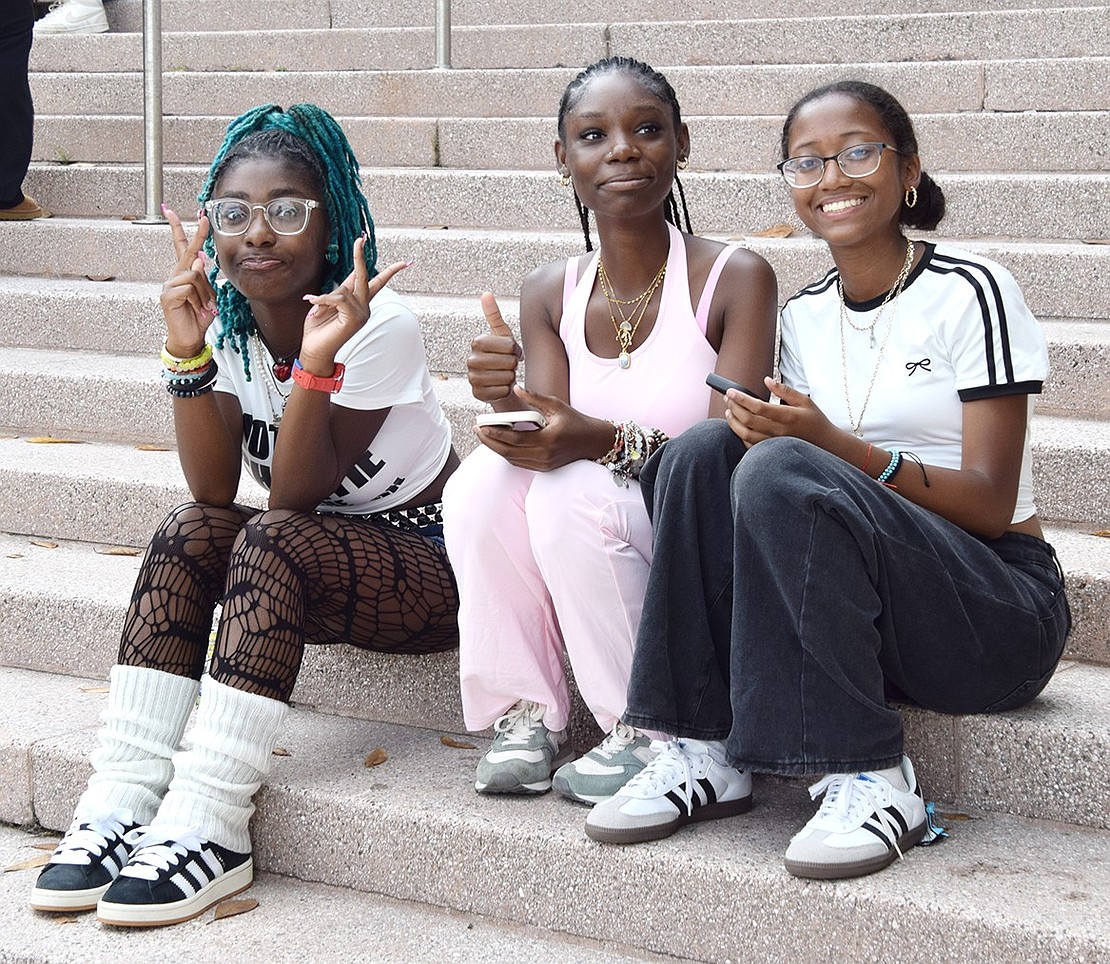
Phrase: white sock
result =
(142, 727)
(894, 776)
(229, 754)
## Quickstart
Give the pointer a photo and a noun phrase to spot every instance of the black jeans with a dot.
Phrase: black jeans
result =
(790, 595)
(17, 115)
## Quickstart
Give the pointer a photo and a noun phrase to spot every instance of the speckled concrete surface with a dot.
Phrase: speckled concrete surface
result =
(294, 922)
(1001, 888)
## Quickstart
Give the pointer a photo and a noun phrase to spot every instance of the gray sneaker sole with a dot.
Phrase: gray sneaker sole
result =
(658, 831)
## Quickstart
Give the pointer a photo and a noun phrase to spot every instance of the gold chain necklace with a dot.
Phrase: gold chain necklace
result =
(625, 329)
(890, 299)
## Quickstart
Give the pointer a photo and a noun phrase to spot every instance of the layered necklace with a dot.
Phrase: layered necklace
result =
(891, 299)
(273, 376)
(625, 329)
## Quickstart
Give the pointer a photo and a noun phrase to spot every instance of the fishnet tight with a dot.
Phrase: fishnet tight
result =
(287, 578)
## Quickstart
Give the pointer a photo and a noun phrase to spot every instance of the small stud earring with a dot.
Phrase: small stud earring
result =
(911, 197)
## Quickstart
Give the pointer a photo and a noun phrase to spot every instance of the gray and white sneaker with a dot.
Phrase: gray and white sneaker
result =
(524, 753)
(606, 768)
(73, 17)
(865, 821)
(684, 783)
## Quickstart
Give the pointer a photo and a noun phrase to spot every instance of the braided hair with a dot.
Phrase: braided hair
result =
(929, 209)
(654, 83)
(307, 138)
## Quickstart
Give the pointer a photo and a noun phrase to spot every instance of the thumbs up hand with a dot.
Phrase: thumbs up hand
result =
(492, 363)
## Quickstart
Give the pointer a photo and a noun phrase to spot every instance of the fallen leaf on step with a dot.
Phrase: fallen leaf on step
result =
(375, 758)
(954, 816)
(64, 919)
(50, 845)
(43, 544)
(29, 864)
(775, 231)
(229, 908)
(280, 751)
(456, 744)
(15, 555)
(9, 436)
(119, 551)
(50, 440)
(94, 689)
(1096, 240)
(152, 447)
(435, 227)
(101, 277)
(442, 376)
(1104, 533)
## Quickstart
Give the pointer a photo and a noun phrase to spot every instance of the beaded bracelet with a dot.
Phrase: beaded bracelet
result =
(190, 384)
(175, 364)
(632, 447)
(178, 392)
(892, 466)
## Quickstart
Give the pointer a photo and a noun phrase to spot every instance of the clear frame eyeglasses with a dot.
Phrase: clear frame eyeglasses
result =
(859, 160)
(286, 215)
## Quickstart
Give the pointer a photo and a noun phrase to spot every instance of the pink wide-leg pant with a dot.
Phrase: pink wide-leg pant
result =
(545, 560)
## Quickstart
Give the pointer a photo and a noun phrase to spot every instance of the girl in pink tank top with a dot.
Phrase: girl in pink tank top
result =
(546, 529)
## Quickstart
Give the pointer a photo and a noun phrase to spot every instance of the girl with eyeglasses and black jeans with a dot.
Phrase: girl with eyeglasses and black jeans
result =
(284, 349)
(870, 537)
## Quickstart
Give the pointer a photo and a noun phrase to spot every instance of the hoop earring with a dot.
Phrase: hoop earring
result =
(911, 197)
(564, 180)
(683, 163)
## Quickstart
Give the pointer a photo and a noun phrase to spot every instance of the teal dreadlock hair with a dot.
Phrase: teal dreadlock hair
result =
(308, 138)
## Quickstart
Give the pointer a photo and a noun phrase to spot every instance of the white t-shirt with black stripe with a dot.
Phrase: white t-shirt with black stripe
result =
(959, 331)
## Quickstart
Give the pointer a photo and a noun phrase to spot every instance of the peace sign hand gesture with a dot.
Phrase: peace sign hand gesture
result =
(188, 301)
(336, 316)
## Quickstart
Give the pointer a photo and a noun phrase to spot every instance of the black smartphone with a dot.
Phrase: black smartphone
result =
(721, 384)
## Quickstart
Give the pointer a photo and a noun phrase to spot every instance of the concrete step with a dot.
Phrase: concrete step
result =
(996, 85)
(1010, 35)
(990, 142)
(342, 920)
(126, 15)
(414, 829)
(1058, 280)
(121, 398)
(1058, 206)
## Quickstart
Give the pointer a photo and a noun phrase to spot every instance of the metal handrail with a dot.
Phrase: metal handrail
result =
(443, 34)
(152, 112)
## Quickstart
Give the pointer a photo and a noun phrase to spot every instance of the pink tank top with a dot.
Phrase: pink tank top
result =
(664, 387)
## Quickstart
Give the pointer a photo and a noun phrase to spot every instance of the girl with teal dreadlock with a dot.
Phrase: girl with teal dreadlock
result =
(285, 351)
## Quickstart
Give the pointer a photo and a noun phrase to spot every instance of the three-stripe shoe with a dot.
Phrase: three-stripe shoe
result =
(173, 875)
(684, 783)
(85, 862)
(865, 821)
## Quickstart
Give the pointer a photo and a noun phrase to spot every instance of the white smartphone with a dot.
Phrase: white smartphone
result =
(526, 421)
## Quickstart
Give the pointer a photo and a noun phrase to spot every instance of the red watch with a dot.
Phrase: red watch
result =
(315, 382)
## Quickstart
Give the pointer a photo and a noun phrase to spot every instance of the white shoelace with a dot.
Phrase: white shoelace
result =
(518, 725)
(850, 799)
(622, 736)
(669, 770)
(158, 850)
(87, 837)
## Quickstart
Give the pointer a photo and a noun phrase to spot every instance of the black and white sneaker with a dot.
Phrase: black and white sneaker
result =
(173, 875)
(85, 862)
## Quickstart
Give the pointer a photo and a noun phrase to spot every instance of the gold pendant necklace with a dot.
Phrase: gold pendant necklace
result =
(625, 329)
(890, 299)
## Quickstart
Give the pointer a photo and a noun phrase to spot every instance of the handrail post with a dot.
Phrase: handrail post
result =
(443, 33)
(152, 112)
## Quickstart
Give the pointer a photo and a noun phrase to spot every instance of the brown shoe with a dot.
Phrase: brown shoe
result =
(26, 210)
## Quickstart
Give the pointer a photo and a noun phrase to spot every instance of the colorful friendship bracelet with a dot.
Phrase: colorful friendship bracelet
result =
(175, 364)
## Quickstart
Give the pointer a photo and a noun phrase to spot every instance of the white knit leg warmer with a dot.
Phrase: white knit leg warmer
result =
(229, 754)
(142, 727)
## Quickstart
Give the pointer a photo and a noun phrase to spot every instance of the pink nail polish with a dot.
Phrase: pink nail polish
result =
(164, 208)
(409, 264)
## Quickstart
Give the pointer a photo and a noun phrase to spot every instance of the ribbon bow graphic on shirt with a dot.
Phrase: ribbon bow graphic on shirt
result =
(912, 366)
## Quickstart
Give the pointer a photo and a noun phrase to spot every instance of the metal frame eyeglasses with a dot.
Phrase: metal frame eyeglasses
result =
(858, 160)
(217, 210)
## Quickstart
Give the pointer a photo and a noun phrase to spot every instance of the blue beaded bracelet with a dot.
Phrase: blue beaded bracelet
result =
(892, 466)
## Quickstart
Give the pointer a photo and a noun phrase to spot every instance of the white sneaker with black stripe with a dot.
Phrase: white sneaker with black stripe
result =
(89, 857)
(173, 875)
(684, 783)
(865, 821)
